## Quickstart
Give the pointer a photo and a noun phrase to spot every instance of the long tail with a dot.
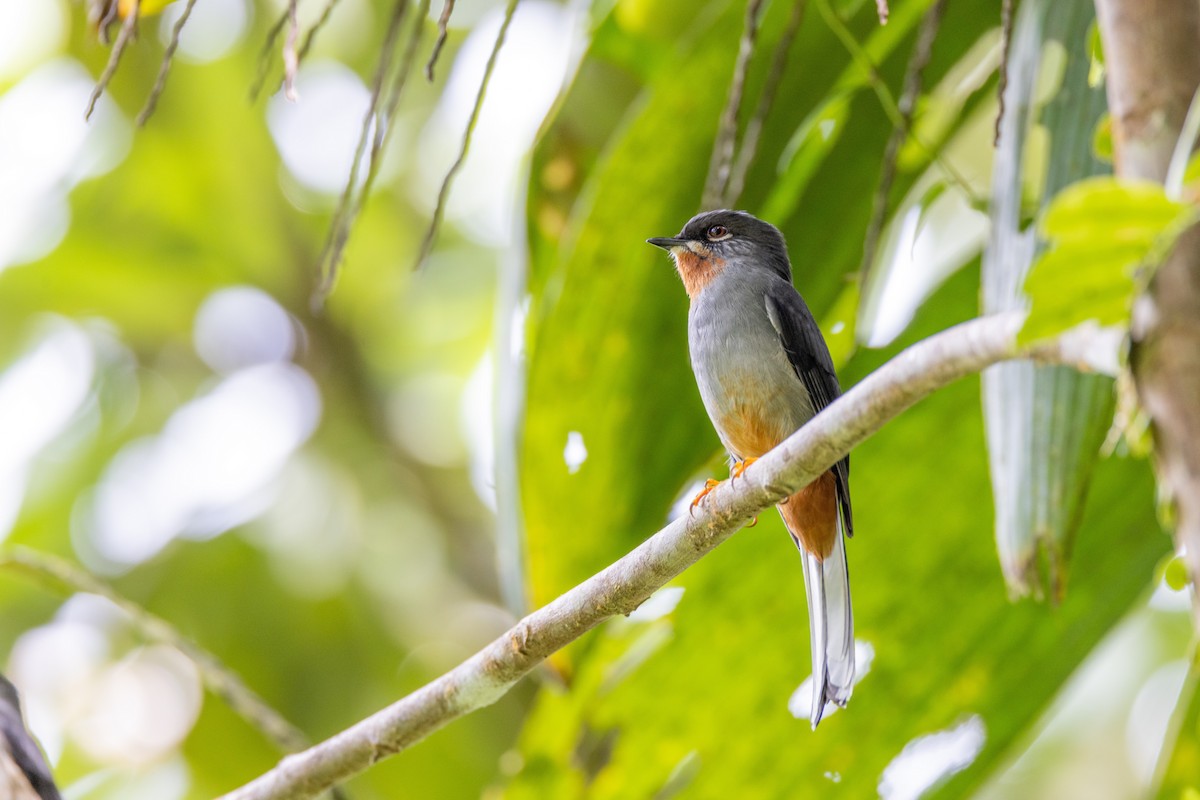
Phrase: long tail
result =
(831, 623)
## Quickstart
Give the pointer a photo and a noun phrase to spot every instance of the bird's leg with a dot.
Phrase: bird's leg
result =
(709, 485)
(740, 467)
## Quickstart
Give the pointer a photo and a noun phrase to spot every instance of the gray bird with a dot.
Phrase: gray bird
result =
(764, 370)
(24, 774)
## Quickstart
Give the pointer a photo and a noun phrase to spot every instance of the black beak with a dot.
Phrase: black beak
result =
(667, 242)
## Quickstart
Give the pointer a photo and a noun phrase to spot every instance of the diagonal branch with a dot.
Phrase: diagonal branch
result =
(481, 680)
(59, 574)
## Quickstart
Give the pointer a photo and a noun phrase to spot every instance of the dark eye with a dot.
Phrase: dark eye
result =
(717, 232)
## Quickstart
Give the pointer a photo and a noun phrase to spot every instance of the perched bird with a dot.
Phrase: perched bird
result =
(24, 774)
(764, 370)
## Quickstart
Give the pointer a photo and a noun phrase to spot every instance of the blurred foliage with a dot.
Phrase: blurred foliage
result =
(367, 564)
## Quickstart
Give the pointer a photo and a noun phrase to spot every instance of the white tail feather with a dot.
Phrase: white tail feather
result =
(831, 626)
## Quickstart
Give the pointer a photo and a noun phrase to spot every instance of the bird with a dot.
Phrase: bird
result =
(763, 370)
(24, 774)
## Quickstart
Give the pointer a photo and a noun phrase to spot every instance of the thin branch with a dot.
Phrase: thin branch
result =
(128, 31)
(906, 106)
(264, 55)
(348, 206)
(439, 209)
(59, 575)
(161, 82)
(291, 60)
(443, 22)
(749, 147)
(310, 38)
(917, 372)
(721, 161)
(1006, 29)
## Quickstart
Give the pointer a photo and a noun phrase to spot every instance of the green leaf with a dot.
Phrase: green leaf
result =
(1101, 231)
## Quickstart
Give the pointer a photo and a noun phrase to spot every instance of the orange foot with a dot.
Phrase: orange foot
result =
(709, 485)
(741, 466)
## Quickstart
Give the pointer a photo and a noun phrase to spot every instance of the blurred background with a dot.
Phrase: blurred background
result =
(341, 504)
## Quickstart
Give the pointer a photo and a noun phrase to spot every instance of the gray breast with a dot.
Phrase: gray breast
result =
(748, 386)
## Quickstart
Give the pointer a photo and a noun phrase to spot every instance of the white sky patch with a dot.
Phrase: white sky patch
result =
(800, 703)
(39, 396)
(575, 453)
(209, 468)
(658, 605)
(45, 149)
(31, 33)
(929, 759)
(528, 76)
(212, 30)
(242, 326)
(316, 136)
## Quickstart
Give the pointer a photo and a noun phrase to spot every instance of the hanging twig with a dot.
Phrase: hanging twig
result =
(161, 82)
(291, 60)
(128, 31)
(353, 198)
(1006, 28)
(443, 21)
(266, 54)
(721, 161)
(311, 37)
(888, 103)
(619, 589)
(440, 208)
(749, 146)
(906, 106)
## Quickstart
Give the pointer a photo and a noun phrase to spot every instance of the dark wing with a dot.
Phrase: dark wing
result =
(20, 747)
(806, 349)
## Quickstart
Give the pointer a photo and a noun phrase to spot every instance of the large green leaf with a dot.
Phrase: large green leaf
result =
(1044, 423)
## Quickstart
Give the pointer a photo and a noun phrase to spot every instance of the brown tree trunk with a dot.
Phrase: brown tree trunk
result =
(1152, 56)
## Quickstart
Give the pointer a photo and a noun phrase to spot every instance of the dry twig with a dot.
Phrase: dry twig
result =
(347, 207)
(128, 31)
(749, 146)
(1006, 29)
(721, 161)
(291, 60)
(439, 209)
(443, 21)
(165, 68)
(264, 55)
(906, 106)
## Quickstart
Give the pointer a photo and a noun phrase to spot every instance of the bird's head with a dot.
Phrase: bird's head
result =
(716, 240)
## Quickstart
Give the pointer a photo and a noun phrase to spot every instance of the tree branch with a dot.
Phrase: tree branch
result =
(481, 680)
(1153, 68)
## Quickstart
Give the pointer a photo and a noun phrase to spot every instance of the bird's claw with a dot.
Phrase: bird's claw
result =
(752, 522)
(740, 467)
(709, 485)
